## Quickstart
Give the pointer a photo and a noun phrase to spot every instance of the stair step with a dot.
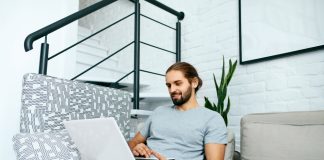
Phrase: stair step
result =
(95, 51)
(105, 84)
(125, 84)
(84, 57)
(140, 112)
(83, 63)
(92, 45)
(93, 59)
(92, 42)
(153, 97)
(85, 32)
(128, 86)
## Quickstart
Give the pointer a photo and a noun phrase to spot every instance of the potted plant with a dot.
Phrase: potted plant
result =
(221, 91)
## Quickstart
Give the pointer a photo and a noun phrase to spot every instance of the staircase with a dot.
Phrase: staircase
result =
(98, 65)
(91, 51)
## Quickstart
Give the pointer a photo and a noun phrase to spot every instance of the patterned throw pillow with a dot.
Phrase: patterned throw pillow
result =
(39, 146)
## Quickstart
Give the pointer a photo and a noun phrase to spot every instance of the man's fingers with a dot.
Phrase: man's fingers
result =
(143, 152)
(158, 155)
(135, 153)
(148, 151)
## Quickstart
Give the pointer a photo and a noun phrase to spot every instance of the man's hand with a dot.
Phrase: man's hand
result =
(158, 155)
(142, 150)
(138, 147)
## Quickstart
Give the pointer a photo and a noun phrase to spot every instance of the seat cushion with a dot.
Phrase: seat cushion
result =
(40, 146)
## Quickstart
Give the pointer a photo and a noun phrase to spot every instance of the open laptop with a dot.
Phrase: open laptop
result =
(100, 139)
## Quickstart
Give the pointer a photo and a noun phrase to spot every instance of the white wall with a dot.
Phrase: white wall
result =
(19, 18)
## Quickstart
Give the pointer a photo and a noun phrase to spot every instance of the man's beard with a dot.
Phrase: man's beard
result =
(183, 97)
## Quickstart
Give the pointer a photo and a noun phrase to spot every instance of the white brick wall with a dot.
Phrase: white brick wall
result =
(210, 30)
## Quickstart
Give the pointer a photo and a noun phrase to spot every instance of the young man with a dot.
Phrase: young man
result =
(185, 131)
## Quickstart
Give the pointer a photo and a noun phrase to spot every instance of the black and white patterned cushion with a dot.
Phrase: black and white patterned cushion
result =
(48, 101)
(50, 146)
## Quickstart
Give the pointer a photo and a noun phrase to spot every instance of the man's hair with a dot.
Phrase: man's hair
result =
(188, 71)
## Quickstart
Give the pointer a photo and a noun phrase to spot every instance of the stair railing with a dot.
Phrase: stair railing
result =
(43, 32)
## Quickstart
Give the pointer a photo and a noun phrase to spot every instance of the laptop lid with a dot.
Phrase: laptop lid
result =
(99, 139)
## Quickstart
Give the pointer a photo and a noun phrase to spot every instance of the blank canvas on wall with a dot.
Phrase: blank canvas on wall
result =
(276, 28)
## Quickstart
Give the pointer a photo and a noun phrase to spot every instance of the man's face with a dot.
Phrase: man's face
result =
(179, 87)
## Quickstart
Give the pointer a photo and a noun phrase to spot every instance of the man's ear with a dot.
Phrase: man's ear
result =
(194, 82)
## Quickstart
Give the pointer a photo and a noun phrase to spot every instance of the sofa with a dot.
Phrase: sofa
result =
(47, 102)
(283, 136)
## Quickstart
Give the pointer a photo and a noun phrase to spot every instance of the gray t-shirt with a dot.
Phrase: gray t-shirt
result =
(183, 134)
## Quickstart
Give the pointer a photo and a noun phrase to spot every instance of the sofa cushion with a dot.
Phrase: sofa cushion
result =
(40, 146)
(48, 101)
(290, 135)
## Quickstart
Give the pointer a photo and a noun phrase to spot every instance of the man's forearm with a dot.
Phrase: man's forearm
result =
(136, 140)
(131, 144)
(215, 151)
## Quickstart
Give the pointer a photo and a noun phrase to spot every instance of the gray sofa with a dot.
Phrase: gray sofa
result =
(283, 136)
(48, 101)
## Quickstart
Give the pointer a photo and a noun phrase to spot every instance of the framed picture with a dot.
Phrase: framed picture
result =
(270, 29)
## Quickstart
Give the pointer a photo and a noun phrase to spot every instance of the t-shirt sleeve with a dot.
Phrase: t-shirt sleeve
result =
(216, 131)
(145, 131)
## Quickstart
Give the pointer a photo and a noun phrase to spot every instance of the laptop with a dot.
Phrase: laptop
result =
(100, 139)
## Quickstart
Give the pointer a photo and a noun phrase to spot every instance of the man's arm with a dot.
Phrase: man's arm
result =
(214, 151)
(138, 147)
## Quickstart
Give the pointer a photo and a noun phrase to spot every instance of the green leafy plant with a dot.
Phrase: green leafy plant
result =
(221, 91)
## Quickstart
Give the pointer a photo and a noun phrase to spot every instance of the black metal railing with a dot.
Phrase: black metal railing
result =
(136, 88)
(28, 44)
(63, 22)
(180, 15)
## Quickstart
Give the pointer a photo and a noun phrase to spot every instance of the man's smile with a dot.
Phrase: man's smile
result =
(176, 95)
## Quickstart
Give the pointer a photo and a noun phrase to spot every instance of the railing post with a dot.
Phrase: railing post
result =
(136, 56)
(178, 42)
(43, 58)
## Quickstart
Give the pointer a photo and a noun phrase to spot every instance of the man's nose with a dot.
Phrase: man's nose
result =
(175, 89)
(172, 88)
